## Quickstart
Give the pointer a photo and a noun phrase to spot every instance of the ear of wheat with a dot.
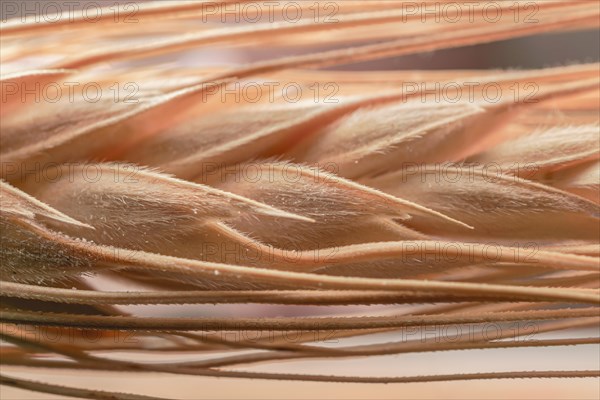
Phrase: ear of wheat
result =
(382, 197)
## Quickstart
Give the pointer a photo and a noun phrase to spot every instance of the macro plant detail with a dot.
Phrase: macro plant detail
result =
(231, 191)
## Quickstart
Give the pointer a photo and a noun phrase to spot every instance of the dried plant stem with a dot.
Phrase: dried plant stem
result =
(298, 297)
(402, 250)
(384, 349)
(283, 324)
(190, 268)
(69, 391)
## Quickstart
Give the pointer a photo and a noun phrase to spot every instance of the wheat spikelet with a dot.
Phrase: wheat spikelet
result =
(150, 192)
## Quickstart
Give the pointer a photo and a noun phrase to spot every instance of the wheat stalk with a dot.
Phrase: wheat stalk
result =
(450, 209)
